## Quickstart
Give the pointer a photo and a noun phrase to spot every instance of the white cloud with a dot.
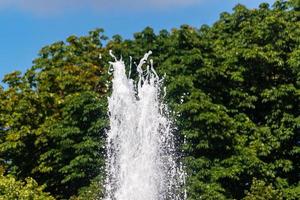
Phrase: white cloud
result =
(59, 6)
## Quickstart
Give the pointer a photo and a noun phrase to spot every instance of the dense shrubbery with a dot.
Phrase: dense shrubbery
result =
(10, 189)
(235, 87)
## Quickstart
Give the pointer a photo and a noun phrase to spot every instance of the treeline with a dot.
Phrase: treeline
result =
(234, 87)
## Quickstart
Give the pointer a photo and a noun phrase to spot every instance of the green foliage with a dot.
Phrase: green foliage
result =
(53, 117)
(11, 189)
(260, 191)
(234, 88)
(92, 192)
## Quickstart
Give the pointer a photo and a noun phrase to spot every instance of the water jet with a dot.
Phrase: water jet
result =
(142, 159)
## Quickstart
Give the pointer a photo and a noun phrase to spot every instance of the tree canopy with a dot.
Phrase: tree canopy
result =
(234, 88)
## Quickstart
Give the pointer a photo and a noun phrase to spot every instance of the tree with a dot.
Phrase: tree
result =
(234, 88)
(53, 117)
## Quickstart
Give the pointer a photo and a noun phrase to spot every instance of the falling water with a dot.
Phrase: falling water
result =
(142, 161)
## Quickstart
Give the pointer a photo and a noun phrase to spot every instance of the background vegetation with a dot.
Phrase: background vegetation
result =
(235, 88)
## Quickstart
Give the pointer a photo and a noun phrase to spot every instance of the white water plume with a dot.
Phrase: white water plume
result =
(142, 161)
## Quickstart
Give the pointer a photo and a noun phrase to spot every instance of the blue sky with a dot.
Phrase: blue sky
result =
(28, 25)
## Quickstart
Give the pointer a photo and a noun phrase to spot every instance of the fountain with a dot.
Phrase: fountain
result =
(142, 161)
